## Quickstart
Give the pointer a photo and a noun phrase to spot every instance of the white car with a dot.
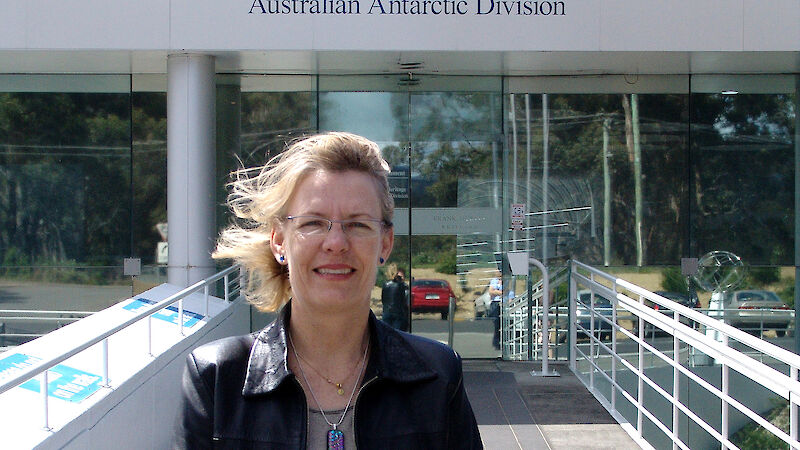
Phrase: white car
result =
(755, 310)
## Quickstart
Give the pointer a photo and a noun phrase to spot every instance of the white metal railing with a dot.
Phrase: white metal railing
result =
(232, 280)
(516, 336)
(49, 320)
(617, 373)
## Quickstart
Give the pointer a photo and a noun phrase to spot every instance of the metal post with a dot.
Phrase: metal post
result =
(150, 335)
(530, 316)
(546, 372)
(205, 295)
(180, 315)
(613, 351)
(545, 174)
(793, 409)
(43, 392)
(105, 363)
(451, 310)
(572, 317)
(725, 392)
(227, 291)
(676, 385)
(606, 195)
(640, 378)
(796, 210)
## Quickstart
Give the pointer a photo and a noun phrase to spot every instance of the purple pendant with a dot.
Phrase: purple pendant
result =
(335, 440)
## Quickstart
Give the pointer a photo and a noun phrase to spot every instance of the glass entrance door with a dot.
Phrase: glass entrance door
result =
(442, 138)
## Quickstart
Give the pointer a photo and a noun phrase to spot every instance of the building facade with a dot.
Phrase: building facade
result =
(634, 133)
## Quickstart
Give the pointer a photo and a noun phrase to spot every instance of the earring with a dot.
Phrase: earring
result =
(382, 260)
(281, 258)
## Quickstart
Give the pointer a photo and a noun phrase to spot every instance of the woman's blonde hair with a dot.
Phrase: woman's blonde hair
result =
(259, 196)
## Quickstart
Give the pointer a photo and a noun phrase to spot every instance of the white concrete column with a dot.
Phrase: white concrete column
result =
(191, 182)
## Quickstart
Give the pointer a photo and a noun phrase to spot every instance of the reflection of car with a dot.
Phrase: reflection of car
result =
(430, 295)
(602, 306)
(676, 297)
(753, 310)
(682, 299)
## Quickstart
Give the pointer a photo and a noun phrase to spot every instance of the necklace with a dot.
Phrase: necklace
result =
(338, 386)
(335, 436)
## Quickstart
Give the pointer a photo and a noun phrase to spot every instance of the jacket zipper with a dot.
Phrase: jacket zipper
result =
(355, 410)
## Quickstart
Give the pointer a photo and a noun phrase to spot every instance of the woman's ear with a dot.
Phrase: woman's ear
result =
(387, 242)
(276, 244)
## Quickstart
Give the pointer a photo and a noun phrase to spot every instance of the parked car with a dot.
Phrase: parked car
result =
(681, 298)
(677, 297)
(431, 295)
(602, 306)
(756, 310)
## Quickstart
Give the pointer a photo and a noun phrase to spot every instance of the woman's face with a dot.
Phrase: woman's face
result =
(333, 270)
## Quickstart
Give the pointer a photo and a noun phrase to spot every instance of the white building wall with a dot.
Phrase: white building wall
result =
(587, 25)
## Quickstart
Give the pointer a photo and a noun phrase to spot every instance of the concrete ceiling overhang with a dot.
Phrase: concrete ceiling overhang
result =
(428, 62)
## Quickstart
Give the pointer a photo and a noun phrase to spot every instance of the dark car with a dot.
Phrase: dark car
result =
(683, 299)
(431, 295)
(602, 306)
(677, 297)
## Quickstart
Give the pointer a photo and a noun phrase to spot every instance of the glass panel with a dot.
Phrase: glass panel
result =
(256, 117)
(379, 113)
(65, 203)
(602, 176)
(454, 155)
(456, 219)
(149, 119)
(743, 161)
(743, 176)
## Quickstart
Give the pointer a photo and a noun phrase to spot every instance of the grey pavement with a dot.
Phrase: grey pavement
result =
(516, 410)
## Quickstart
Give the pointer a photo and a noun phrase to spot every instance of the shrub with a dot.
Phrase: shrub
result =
(754, 436)
(761, 276)
(787, 294)
(447, 264)
(673, 280)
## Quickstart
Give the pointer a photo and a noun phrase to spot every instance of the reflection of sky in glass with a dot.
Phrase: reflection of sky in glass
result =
(368, 114)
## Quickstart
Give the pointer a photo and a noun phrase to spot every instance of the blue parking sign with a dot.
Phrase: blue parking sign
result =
(169, 314)
(63, 382)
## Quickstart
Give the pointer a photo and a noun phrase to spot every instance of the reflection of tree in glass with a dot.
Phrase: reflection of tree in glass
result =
(451, 135)
(743, 149)
(578, 125)
(64, 177)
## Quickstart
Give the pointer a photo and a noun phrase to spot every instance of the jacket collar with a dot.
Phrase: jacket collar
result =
(392, 357)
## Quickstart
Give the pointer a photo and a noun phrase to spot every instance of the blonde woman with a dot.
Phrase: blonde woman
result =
(315, 224)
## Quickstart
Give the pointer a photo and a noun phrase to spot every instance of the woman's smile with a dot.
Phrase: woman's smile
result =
(334, 271)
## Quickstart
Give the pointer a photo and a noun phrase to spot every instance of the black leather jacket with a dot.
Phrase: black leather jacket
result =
(239, 393)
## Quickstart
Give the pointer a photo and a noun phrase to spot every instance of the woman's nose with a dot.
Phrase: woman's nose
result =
(336, 238)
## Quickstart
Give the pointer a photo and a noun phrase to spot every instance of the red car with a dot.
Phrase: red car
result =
(431, 295)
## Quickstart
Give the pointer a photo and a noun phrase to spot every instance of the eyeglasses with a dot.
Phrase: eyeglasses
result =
(313, 226)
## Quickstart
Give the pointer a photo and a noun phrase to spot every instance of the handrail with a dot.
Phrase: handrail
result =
(44, 365)
(515, 318)
(783, 355)
(713, 343)
(38, 311)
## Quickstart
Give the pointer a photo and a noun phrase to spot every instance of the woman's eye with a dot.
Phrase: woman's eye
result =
(311, 224)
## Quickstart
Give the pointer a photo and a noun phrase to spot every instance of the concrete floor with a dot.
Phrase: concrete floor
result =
(516, 410)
